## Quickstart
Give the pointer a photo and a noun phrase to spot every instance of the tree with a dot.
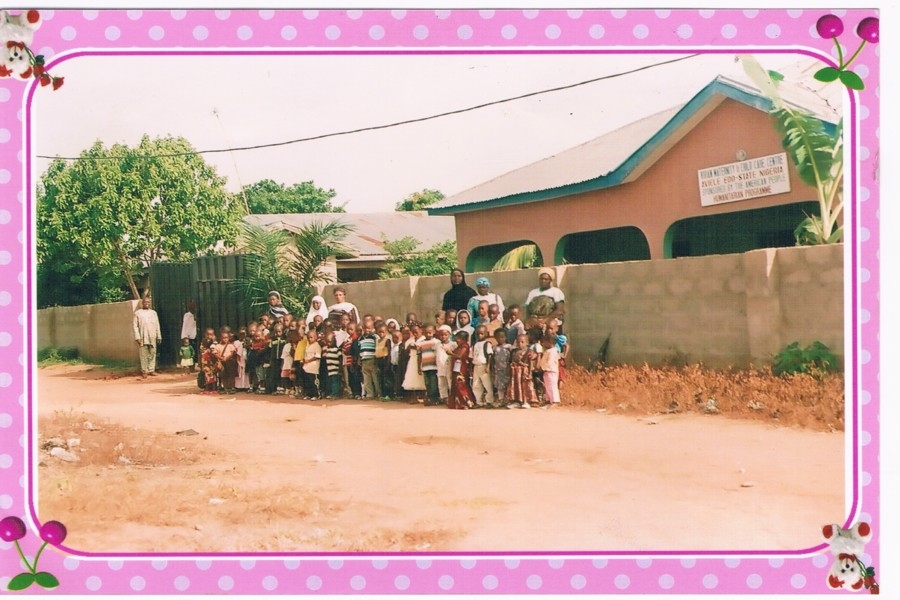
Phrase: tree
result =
(291, 263)
(270, 197)
(121, 209)
(817, 154)
(405, 258)
(419, 200)
(525, 256)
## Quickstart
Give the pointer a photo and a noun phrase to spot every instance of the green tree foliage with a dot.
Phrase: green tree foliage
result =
(269, 197)
(405, 258)
(525, 256)
(291, 263)
(419, 200)
(817, 154)
(118, 210)
(65, 281)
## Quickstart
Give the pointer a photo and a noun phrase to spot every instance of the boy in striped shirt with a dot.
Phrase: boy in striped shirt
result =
(367, 343)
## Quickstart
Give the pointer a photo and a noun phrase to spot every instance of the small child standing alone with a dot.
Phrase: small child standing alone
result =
(187, 356)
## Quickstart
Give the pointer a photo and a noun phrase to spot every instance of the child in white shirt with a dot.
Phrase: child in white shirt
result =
(482, 359)
(549, 364)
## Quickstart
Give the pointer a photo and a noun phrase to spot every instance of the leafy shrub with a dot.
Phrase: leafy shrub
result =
(815, 358)
(57, 355)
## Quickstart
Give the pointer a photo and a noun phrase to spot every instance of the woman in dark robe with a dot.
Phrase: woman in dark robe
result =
(457, 297)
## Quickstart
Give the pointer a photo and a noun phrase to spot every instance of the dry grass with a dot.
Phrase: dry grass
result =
(794, 401)
(416, 540)
(183, 489)
(100, 442)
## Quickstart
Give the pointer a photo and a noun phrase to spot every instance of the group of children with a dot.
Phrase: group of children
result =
(457, 361)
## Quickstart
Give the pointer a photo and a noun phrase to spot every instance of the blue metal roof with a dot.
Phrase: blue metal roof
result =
(480, 197)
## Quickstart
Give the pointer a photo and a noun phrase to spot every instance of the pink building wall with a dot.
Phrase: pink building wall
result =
(666, 193)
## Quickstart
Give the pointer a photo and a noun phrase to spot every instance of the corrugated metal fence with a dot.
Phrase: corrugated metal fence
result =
(208, 281)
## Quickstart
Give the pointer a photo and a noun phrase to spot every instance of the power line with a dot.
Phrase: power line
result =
(389, 125)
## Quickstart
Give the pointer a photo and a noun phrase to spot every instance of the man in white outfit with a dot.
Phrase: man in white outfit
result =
(147, 336)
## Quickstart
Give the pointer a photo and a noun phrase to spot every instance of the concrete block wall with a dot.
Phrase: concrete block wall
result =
(724, 310)
(97, 330)
(811, 296)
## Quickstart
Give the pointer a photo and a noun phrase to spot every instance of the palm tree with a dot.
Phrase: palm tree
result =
(291, 263)
(525, 256)
(818, 156)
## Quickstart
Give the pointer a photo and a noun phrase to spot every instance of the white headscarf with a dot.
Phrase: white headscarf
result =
(322, 310)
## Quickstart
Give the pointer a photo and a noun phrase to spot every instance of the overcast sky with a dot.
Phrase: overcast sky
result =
(229, 101)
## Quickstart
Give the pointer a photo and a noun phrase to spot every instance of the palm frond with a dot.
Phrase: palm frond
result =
(520, 257)
(291, 263)
(809, 145)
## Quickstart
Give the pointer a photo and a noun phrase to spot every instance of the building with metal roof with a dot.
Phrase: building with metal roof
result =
(365, 254)
(706, 177)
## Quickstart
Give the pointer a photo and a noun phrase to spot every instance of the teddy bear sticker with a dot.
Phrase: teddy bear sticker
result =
(848, 571)
(16, 58)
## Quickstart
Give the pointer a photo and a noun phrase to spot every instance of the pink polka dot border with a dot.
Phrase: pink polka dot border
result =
(236, 30)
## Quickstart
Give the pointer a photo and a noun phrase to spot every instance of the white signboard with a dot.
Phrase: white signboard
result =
(753, 178)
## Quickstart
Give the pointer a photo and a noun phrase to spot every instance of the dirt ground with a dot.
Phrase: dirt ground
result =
(273, 474)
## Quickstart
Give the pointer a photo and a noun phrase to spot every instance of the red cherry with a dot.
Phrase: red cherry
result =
(57, 82)
(12, 529)
(38, 70)
(829, 26)
(53, 532)
(33, 16)
(45, 79)
(868, 29)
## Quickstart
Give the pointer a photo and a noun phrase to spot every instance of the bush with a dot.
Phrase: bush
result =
(57, 355)
(814, 359)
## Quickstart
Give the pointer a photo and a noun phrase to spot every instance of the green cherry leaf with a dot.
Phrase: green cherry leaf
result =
(39, 59)
(827, 74)
(870, 571)
(46, 580)
(20, 582)
(852, 80)
(776, 76)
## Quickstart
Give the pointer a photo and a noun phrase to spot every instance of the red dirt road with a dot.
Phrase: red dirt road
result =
(271, 474)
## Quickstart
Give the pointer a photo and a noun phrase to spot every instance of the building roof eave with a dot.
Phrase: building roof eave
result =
(683, 121)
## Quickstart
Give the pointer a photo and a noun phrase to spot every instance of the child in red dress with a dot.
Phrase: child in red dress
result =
(461, 396)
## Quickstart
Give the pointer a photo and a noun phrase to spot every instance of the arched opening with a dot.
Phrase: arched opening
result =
(735, 232)
(604, 245)
(485, 258)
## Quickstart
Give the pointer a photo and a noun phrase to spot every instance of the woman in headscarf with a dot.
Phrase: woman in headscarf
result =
(483, 286)
(545, 302)
(457, 297)
(276, 308)
(317, 306)
(342, 307)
